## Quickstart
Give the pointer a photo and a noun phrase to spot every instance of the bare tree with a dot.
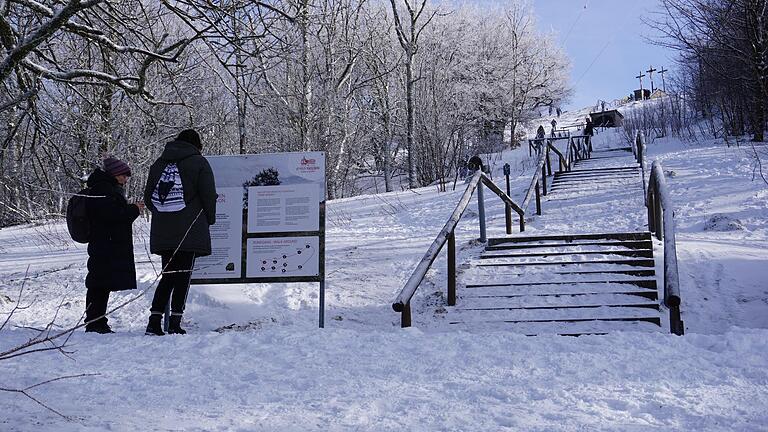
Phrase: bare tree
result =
(408, 36)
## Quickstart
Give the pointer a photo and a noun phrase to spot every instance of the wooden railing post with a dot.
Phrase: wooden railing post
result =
(481, 211)
(651, 211)
(549, 163)
(538, 200)
(675, 323)
(405, 316)
(507, 207)
(543, 181)
(659, 218)
(452, 269)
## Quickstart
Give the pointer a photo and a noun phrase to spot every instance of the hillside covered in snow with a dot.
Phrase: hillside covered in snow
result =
(254, 358)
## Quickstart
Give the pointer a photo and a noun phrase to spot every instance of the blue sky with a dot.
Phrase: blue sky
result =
(605, 44)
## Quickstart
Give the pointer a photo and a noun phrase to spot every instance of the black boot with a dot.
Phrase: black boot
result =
(174, 327)
(155, 326)
(100, 327)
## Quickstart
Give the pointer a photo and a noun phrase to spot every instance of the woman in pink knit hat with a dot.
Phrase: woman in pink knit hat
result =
(110, 247)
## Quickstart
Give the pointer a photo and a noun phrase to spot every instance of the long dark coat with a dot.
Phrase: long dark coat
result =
(110, 249)
(169, 228)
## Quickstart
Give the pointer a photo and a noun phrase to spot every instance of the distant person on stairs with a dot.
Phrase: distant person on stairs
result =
(181, 193)
(589, 131)
(111, 265)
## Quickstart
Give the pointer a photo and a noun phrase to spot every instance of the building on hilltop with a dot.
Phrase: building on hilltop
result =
(610, 118)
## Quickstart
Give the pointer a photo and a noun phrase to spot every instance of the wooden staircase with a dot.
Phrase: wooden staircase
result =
(570, 284)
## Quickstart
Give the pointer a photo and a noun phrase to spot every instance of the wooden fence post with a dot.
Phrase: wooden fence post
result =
(538, 200)
(452, 268)
(481, 211)
(405, 316)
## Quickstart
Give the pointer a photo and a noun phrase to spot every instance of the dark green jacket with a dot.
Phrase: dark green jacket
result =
(168, 229)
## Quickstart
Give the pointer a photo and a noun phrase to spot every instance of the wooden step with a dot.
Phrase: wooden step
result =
(551, 301)
(654, 306)
(635, 262)
(631, 244)
(576, 172)
(596, 178)
(575, 284)
(648, 294)
(562, 329)
(608, 271)
(614, 149)
(629, 175)
(652, 320)
(571, 237)
(624, 272)
(596, 188)
(632, 253)
(558, 314)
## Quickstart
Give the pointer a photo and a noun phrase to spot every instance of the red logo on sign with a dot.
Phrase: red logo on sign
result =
(305, 161)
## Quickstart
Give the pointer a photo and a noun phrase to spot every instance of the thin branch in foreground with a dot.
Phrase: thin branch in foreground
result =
(758, 164)
(17, 306)
(25, 391)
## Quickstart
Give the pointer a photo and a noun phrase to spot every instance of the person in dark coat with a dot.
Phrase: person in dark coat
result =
(180, 235)
(589, 128)
(110, 248)
(589, 131)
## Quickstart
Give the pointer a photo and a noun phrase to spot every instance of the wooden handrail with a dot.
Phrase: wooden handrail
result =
(418, 274)
(534, 182)
(402, 303)
(661, 221)
(403, 300)
(563, 161)
(504, 197)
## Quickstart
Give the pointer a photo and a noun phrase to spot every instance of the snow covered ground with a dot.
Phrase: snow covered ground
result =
(255, 359)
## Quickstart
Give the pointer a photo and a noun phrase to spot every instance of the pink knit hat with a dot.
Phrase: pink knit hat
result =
(116, 167)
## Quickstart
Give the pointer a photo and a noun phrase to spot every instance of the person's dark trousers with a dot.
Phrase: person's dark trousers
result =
(96, 305)
(174, 283)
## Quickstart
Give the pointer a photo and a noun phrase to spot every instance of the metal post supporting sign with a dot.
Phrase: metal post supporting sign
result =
(270, 221)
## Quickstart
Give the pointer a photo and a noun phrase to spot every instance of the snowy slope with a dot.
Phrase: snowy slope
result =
(273, 369)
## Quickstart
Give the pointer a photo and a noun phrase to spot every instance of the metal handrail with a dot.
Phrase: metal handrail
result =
(661, 221)
(447, 235)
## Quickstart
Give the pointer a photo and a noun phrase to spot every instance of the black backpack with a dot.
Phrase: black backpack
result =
(77, 217)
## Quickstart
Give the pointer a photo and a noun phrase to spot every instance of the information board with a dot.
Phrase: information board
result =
(270, 220)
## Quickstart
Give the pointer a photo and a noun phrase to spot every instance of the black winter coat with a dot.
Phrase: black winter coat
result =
(110, 249)
(168, 228)
(589, 129)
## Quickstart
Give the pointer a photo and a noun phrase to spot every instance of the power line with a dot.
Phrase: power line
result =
(574, 23)
(593, 62)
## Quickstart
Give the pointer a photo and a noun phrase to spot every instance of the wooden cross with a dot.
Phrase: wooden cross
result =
(650, 76)
(640, 77)
(663, 84)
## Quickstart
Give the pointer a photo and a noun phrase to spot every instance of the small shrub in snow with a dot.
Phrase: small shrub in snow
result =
(721, 222)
